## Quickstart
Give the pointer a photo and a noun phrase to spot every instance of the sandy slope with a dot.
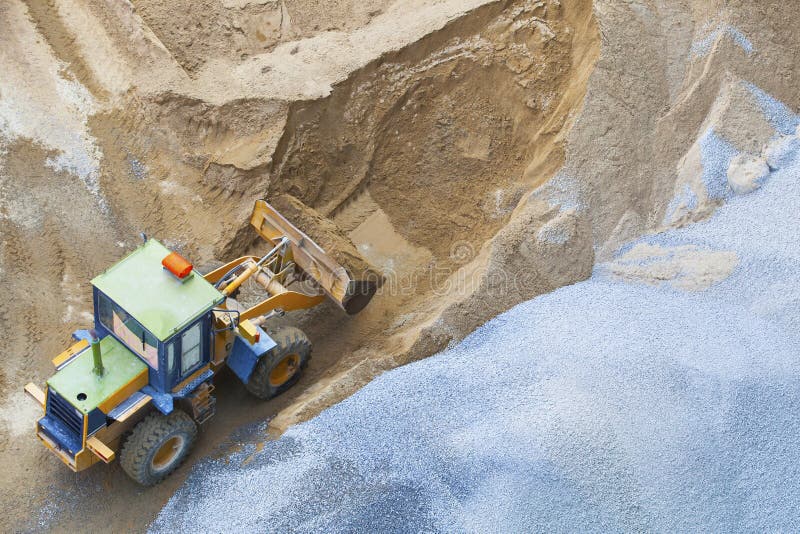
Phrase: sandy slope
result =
(609, 405)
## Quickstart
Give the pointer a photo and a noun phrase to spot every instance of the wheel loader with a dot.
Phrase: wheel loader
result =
(139, 383)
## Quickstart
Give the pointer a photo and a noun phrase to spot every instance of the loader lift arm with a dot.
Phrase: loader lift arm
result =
(279, 297)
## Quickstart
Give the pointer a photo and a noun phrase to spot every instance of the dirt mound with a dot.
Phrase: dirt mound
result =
(478, 153)
(440, 133)
(434, 148)
(196, 33)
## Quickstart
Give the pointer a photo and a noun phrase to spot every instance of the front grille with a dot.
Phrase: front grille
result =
(58, 407)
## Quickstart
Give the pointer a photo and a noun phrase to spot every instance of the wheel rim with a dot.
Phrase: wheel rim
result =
(167, 453)
(284, 370)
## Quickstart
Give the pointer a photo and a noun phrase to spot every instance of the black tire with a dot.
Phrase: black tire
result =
(293, 351)
(157, 446)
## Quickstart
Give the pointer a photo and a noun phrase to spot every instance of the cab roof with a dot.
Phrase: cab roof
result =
(156, 298)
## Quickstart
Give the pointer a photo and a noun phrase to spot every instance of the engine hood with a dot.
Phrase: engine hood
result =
(124, 373)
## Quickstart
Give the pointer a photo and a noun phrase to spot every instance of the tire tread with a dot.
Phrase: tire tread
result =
(147, 434)
(289, 339)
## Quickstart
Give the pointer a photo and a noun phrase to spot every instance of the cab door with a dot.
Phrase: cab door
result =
(187, 351)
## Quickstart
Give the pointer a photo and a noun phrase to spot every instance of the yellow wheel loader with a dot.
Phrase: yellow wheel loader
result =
(137, 385)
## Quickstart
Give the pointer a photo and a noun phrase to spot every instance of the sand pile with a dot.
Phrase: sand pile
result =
(480, 153)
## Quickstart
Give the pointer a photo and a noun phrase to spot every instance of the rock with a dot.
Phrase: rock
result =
(747, 173)
(558, 230)
(687, 267)
(779, 151)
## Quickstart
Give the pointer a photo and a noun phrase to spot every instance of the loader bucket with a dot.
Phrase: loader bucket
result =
(342, 273)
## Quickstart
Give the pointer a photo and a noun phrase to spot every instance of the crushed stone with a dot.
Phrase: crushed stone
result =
(702, 47)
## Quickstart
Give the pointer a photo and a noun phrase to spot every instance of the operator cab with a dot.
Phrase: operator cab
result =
(162, 315)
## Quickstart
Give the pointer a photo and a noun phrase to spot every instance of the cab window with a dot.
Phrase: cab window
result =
(128, 330)
(171, 360)
(190, 348)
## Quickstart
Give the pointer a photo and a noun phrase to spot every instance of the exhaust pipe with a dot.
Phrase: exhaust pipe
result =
(96, 356)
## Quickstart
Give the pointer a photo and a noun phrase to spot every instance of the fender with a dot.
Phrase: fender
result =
(244, 356)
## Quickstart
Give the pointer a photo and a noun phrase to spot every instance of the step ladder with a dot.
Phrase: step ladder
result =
(204, 405)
